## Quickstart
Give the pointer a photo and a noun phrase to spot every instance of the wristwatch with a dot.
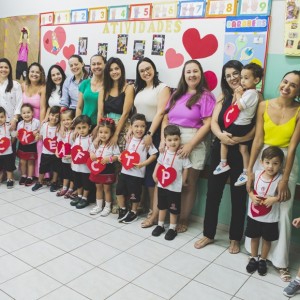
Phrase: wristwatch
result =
(149, 133)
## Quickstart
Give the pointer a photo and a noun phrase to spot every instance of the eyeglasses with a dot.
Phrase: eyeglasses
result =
(234, 75)
(145, 70)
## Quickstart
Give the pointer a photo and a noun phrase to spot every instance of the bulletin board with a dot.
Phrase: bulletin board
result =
(169, 43)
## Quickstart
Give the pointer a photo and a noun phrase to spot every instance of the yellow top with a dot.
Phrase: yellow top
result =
(278, 135)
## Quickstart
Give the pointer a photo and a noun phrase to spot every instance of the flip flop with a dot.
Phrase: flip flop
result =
(147, 223)
(182, 228)
(234, 247)
(204, 241)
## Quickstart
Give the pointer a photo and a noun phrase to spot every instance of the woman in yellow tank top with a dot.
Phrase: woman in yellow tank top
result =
(278, 124)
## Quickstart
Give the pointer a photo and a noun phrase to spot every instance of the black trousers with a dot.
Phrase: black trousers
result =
(215, 187)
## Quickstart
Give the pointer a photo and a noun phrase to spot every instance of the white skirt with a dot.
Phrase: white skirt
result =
(279, 252)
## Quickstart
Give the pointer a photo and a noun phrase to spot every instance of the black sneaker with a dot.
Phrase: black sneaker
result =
(53, 187)
(75, 201)
(122, 214)
(262, 267)
(37, 186)
(10, 183)
(82, 204)
(29, 181)
(170, 235)
(22, 180)
(158, 230)
(252, 265)
(131, 217)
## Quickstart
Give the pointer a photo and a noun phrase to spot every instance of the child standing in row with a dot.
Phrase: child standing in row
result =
(245, 100)
(63, 151)
(294, 286)
(101, 164)
(49, 161)
(134, 161)
(6, 154)
(80, 155)
(170, 174)
(263, 209)
(27, 152)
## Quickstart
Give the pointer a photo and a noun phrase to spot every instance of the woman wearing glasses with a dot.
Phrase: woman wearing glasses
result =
(151, 99)
(230, 81)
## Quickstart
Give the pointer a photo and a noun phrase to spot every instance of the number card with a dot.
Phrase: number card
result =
(191, 9)
(254, 7)
(62, 17)
(46, 18)
(79, 16)
(221, 8)
(164, 10)
(97, 14)
(118, 13)
(140, 11)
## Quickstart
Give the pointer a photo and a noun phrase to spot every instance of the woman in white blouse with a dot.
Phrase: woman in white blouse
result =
(55, 80)
(10, 93)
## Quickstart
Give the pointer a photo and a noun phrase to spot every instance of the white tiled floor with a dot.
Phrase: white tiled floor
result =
(51, 251)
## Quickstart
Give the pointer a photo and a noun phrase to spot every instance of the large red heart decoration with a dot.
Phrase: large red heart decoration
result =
(79, 156)
(63, 149)
(198, 47)
(62, 64)
(68, 51)
(211, 80)
(4, 144)
(25, 137)
(129, 159)
(54, 40)
(95, 166)
(166, 176)
(230, 115)
(50, 144)
(173, 59)
(259, 210)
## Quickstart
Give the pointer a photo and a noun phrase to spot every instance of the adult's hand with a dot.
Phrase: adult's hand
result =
(250, 181)
(185, 150)
(283, 190)
(226, 138)
(113, 141)
(162, 146)
(147, 141)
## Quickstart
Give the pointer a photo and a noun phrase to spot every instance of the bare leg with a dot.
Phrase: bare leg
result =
(245, 154)
(85, 193)
(188, 197)
(224, 151)
(121, 201)
(266, 245)
(23, 164)
(107, 193)
(54, 177)
(9, 175)
(99, 191)
(154, 216)
(30, 168)
(173, 218)
(162, 215)
(254, 247)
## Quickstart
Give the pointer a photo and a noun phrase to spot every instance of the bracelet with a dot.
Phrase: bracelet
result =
(111, 159)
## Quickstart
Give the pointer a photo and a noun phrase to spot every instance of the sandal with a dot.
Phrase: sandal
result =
(285, 274)
(204, 241)
(234, 247)
(149, 213)
(181, 228)
(147, 223)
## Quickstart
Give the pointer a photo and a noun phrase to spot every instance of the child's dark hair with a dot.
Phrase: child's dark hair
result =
(27, 105)
(109, 123)
(54, 110)
(272, 152)
(2, 111)
(82, 119)
(138, 117)
(171, 130)
(257, 70)
(69, 112)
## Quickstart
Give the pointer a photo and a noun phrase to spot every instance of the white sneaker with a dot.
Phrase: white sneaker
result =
(221, 168)
(105, 212)
(96, 210)
(241, 180)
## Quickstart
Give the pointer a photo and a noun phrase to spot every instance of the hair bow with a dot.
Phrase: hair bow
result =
(106, 120)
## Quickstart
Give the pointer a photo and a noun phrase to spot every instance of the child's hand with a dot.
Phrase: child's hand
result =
(239, 91)
(105, 160)
(155, 179)
(67, 156)
(256, 200)
(35, 132)
(139, 165)
(37, 136)
(119, 158)
(269, 201)
(296, 222)
(93, 156)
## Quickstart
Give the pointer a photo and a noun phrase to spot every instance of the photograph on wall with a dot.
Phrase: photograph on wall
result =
(158, 44)
(138, 49)
(292, 11)
(82, 45)
(102, 49)
(122, 43)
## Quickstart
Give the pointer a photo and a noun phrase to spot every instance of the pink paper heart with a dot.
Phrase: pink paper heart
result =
(62, 64)
(54, 41)
(173, 59)
(68, 51)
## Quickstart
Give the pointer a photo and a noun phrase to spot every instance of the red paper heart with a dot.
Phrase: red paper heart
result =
(62, 64)
(95, 166)
(198, 47)
(166, 176)
(4, 144)
(79, 156)
(173, 59)
(50, 144)
(129, 159)
(68, 51)
(211, 79)
(259, 210)
(231, 114)
(25, 137)
(60, 35)
(63, 149)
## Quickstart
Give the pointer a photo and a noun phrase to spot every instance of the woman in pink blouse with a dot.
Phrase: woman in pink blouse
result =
(190, 108)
